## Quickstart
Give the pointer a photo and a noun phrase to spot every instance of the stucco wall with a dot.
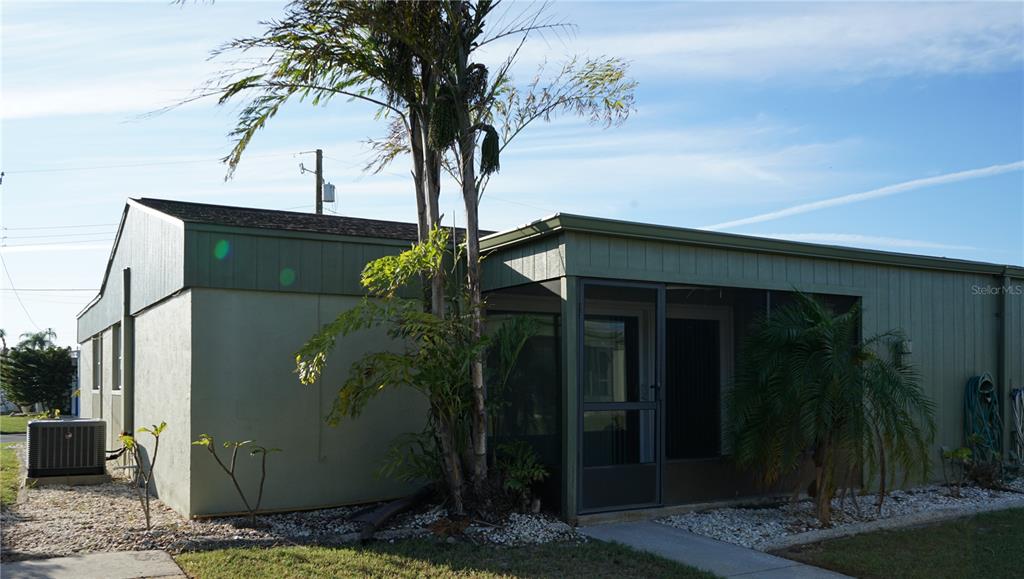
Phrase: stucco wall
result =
(102, 402)
(163, 361)
(244, 387)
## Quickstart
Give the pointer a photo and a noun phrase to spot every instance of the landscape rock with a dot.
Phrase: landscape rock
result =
(771, 527)
(58, 520)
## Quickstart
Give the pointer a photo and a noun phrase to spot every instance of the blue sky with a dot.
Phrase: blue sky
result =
(744, 110)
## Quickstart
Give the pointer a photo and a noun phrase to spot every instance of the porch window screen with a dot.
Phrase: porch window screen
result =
(530, 401)
(693, 390)
(529, 406)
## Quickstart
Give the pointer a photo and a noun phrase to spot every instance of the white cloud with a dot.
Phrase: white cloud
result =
(818, 43)
(873, 194)
(856, 239)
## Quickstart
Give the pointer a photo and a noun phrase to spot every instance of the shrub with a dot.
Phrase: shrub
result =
(205, 440)
(517, 462)
(144, 475)
(808, 387)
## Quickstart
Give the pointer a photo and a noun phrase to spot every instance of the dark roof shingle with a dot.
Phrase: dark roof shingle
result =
(282, 220)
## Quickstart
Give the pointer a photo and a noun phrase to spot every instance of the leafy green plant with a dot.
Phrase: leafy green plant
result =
(808, 388)
(520, 469)
(35, 371)
(207, 441)
(986, 466)
(413, 457)
(438, 354)
(143, 473)
(956, 464)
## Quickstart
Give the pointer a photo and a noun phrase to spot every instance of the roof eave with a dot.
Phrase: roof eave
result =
(715, 239)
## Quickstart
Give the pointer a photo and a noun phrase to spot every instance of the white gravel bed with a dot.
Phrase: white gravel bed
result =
(62, 520)
(528, 529)
(518, 529)
(776, 526)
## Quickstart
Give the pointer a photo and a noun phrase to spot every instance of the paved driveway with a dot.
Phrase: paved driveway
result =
(7, 438)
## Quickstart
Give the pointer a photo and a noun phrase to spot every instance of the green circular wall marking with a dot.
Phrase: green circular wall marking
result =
(222, 249)
(287, 276)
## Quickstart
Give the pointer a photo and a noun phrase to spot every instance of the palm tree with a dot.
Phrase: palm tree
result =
(809, 388)
(3, 339)
(417, 62)
(38, 340)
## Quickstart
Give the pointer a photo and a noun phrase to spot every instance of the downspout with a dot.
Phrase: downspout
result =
(1004, 387)
(127, 353)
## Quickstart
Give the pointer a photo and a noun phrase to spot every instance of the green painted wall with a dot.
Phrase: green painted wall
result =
(244, 386)
(163, 379)
(103, 401)
(219, 313)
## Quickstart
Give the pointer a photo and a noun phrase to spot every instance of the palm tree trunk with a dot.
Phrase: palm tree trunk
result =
(467, 149)
(470, 196)
(451, 464)
(416, 145)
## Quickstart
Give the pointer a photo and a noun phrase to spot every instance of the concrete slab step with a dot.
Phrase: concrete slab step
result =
(119, 565)
(723, 559)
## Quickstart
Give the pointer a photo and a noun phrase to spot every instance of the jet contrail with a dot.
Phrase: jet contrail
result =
(872, 194)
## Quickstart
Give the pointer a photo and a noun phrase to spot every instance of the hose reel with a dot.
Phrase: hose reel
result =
(983, 424)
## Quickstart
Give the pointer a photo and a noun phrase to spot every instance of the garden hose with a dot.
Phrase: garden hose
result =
(1017, 406)
(983, 427)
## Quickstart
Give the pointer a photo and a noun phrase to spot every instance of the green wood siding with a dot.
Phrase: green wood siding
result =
(262, 260)
(152, 246)
(524, 263)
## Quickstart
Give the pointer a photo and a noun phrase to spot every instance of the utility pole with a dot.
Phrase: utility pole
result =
(319, 181)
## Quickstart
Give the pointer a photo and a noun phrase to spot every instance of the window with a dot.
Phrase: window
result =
(612, 346)
(97, 362)
(115, 357)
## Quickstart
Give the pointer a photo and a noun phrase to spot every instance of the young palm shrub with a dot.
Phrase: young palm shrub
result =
(809, 388)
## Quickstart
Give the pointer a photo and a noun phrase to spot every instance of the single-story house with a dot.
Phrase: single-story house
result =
(620, 391)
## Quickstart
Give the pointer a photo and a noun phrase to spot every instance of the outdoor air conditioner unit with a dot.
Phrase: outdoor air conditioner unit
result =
(66, 447)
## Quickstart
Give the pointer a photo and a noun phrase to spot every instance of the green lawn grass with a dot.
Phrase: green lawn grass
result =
(15, 424)
(421, 558)
(990, 545)
(9, 479)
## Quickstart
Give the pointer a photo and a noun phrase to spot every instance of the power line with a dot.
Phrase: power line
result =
(51, 289)
(132, 165)
(77, 242)
(20, 303)
(61, 226)
(51, 235)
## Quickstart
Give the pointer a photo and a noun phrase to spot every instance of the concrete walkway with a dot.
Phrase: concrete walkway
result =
(121, 565)
(723, 559)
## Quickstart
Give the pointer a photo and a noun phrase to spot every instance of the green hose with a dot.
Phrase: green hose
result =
(983, 426)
